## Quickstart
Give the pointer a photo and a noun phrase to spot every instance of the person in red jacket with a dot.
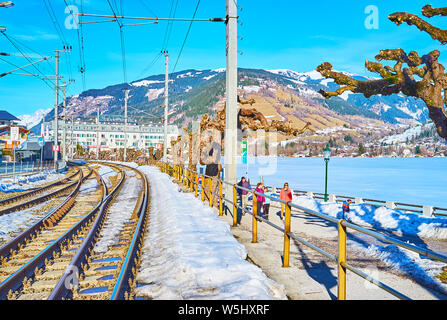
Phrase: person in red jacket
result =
(285, 195)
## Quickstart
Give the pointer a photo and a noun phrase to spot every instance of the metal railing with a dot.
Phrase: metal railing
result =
(192, 181)
(437, 211)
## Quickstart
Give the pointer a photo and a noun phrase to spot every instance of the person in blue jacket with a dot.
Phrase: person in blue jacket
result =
(345, 207)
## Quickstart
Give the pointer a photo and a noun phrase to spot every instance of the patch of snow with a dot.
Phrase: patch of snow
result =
(119, 212)
(189, 253)
(145, 83)
(153, 94)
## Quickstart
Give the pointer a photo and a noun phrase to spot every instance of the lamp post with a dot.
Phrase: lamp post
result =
(327, 156)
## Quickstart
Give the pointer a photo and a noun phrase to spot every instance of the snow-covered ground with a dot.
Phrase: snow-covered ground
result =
(189, 253)
(12, 223)
(24, 183)
(417, 228)
(106, 172)
(119, 212)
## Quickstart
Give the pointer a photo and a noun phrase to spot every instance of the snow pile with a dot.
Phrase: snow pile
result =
(119, 212)
(106, 172)
(421, 269)
(28, 182)
(381, 218)
(12, 223)
(189, 253)
(88, 186)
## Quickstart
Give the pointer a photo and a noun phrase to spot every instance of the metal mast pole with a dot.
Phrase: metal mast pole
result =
(231, 99)
(97, 135)
(72, 145)
(56, 102)
(64, 136)
(126, 92)
(165, 139)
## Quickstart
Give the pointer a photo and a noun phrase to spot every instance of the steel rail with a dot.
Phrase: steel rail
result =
(35, 201)
(36, 190)
(61, 290)
(52, 217)
(14, 281)
(122, 283)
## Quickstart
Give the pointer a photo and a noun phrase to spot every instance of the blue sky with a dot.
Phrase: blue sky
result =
(285, 34)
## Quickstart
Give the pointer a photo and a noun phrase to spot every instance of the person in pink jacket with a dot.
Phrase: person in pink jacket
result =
(259, 199)
(285, 195)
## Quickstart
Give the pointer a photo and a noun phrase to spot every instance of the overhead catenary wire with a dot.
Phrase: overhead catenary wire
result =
(186, 37)
(50, 85)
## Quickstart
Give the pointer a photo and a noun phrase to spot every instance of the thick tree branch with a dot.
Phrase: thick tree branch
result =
(429, 12)
(411, 19)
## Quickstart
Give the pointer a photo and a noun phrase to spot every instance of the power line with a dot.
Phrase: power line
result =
(169, 26)
(186, 37)
(150, 65)
(51, 86)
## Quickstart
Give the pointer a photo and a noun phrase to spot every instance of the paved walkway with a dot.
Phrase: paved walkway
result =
(311, 275)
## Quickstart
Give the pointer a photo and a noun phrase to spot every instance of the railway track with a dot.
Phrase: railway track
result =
(64, 262)
(28, 199)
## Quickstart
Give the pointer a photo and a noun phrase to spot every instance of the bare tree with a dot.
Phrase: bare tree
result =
(398, 78)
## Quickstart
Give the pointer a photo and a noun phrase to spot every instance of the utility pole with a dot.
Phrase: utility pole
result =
(56, 102)
(64, 153)
(165, 139)
(126, 94)
(231, 99)
(72, 139)
(97, 134)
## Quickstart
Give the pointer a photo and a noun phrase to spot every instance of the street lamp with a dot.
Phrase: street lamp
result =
(6, 4)
(327, 156)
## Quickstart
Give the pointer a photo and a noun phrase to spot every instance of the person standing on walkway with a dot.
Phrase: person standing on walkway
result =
(345, 207)
(266, 208)
(212, 171)
(285, 195)
(259, 198)
(243, 194)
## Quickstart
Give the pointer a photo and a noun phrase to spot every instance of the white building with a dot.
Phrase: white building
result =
(111, 134)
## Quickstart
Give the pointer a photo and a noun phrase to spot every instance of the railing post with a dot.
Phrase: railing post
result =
(286, 260)
(196, 184)
(255, 222)
(211, 192)
(220, 199)
(341, 261)
(202, 179)
(234, 206)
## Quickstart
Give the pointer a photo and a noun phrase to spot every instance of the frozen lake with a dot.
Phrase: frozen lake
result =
(411, 180)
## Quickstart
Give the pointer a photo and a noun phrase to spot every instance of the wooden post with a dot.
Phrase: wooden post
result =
(286, 236)
(234, 206)
(255, 222)
(341, 261)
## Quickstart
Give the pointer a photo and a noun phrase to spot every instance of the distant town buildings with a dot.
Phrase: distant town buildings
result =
(111, 134)
(11, 135)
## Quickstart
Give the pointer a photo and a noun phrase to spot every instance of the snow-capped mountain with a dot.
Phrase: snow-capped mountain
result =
(394, 109)
(195, 92)
(34, 119)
